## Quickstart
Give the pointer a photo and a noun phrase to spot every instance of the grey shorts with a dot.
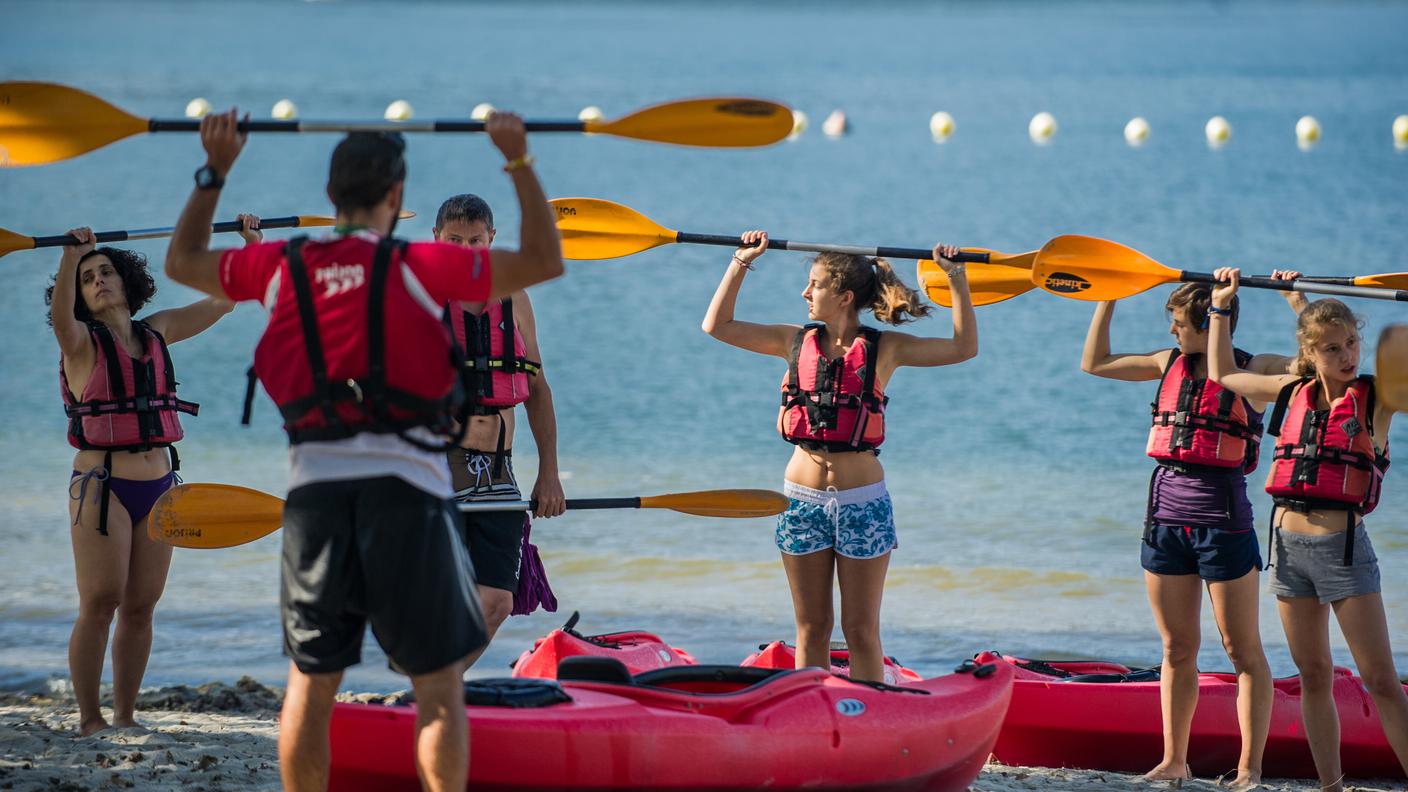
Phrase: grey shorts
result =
(1312, 565)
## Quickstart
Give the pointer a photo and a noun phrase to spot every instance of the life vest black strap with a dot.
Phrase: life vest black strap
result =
(104, 494)
(251, 379)
(308, 320)
(507, 360)
(1283, 401)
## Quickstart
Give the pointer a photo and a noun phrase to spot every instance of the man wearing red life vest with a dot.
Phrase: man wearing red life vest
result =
(361, 367)
(503, 363)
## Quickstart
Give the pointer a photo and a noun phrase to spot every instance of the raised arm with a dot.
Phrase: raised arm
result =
(539, 254)
(718, 322)
(178, 324)
(1222, 364)
(1296, 300)
(910, 350)
(189, 259)
(542, 419)
(1097, 359)
(74, 340)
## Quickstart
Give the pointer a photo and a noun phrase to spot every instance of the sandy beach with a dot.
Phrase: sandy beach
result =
(224, 737)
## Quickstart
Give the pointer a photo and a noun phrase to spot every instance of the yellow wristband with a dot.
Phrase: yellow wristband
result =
(525, 161)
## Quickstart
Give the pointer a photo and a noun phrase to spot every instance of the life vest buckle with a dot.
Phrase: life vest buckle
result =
(140, 403)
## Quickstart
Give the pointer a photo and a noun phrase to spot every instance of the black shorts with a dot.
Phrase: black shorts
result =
(494, 538)
(376, 551)
(1210, 552)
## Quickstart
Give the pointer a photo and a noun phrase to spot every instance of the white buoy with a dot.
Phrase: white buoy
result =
(1400, 132)
(1136, 132)
(481, 111)
(1042, 128)
(835, 124)
(399, 110)
(799, 124)
(1307, 132)
(197, 107)
(284, 110)
(941, 126)
(1218, 131)
(591, 113)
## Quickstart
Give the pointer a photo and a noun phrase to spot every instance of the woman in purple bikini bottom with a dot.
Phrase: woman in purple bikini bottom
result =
(119, 392)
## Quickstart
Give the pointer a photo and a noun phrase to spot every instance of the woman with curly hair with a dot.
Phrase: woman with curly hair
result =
(119, 392)
(839, 522)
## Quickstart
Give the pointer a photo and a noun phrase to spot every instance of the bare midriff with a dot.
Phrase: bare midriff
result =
(840, 469)
(483, 434)
(131, 465)
(1319, 522)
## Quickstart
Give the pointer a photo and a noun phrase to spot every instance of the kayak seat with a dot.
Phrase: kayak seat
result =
(708, 679)
(505, 692)
(586, 668)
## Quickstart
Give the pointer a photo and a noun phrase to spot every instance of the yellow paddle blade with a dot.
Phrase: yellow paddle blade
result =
(10, 242)
(1391, 369)
(1384, 280)
(1003, 278)
(594, 229)
(719, 122)
(213, 515)
(44, 122)
(1087, 268)
(721, 503)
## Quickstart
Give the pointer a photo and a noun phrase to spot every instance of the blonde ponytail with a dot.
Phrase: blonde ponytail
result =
(875, 286)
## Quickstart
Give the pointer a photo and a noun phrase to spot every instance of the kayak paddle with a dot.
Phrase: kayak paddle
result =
(1391, 367)
(46, 122)
(207, 516)
(990, 284)
(1087, 268)
(10, 241)
(593, 229)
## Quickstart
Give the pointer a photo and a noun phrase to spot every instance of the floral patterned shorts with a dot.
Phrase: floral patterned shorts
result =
(856, 523)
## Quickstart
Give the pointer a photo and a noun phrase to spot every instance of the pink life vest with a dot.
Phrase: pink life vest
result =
(1326, 459)
(324, 355)
(1198, 423)
(129, 404)
(495, 357)
(832, 405)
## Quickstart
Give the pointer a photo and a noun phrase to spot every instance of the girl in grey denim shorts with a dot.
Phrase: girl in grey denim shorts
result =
(1331, 452)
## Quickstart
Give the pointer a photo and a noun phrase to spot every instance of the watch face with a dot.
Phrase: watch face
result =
(205, 177)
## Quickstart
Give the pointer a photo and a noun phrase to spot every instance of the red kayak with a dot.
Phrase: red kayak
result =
(1105, 716)
(694, 727)
(779, 655)
(638, 651)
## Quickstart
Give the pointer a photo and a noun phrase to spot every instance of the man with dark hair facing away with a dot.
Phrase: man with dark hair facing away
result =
(360, 364)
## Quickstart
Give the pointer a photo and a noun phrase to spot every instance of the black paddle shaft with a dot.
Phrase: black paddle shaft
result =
(816, 247)
(193, 125)
(64, 240)
(1297, 285)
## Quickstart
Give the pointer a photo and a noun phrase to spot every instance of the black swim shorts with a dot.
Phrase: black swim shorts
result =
(380, 552)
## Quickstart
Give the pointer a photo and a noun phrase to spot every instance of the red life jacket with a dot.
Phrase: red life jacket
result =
(323, 357)
(128, 404)
(495, 357)
(1198, 423)
(832, 405)
(1326, 459)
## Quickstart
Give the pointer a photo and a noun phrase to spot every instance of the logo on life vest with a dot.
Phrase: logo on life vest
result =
(338, 278)
(1066, 283)
(747, 108)
(850, 707)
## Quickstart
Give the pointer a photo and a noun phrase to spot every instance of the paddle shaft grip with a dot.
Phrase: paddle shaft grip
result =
(1301, 286)
(572, 503)
(193, 125)
(64, 240)
(817, 247)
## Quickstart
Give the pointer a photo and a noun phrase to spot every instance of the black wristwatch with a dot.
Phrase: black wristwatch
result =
(208, 179)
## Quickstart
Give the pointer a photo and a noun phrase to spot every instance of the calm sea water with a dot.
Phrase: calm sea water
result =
(1018, 481)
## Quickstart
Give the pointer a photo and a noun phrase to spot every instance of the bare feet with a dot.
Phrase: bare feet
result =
(93, 726)
(129, 724)
(1174, 774)
(1244, 780)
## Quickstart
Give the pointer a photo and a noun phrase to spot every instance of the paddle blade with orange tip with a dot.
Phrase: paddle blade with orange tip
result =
(44, 122)
(1383, 280)
(718, 122)
(987, 285)
(208, 516)
(594, 229)
(740, 503)
(1087, 268)
(1391, 368)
